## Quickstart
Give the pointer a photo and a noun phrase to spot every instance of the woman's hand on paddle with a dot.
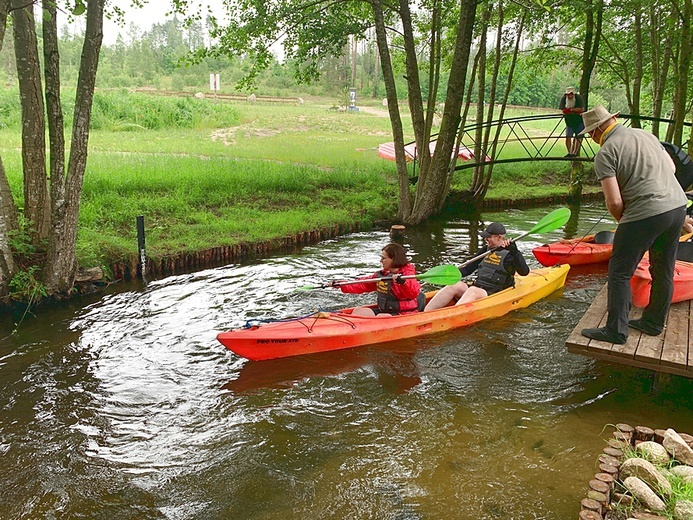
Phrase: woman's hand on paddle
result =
(334, 283)
(397, 278)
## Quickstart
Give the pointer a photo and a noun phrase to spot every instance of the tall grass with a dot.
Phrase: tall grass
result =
(120, 110)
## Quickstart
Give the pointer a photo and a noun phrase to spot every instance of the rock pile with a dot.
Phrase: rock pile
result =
(636, 471)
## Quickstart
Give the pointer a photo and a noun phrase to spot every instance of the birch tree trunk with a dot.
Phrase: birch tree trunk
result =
(8, 210)
(36, 206)
(60, 263)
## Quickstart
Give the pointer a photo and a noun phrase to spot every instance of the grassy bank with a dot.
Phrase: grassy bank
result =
(239, 173)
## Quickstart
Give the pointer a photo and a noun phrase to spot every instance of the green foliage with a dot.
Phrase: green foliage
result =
(10, 108)
(20, 239)
(25, 286)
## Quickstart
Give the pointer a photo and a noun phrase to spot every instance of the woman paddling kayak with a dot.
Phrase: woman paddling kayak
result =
(396, 295)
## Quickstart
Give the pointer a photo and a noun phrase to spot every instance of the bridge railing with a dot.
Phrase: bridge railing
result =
(521, 139)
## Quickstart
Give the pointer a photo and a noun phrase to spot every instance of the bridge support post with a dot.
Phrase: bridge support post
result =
(577, 177)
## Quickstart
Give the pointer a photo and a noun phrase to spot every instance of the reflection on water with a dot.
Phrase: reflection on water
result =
(127, 406)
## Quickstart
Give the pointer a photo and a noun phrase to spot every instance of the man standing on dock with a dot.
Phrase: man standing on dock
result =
(642, 194)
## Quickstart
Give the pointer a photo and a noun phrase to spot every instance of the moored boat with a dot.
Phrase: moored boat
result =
(641, 283)
(590, 249)
(578, 251)
(326, 331)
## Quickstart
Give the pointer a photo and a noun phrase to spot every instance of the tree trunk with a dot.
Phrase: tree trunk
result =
(430, 195)
(593, 30)
(637, 72)
(479, 151)
(414, 93)
(682, 72)
(506, 95)
(60, 263)
(8, 210)
(36, 206)
(661, 60)
(405, 201)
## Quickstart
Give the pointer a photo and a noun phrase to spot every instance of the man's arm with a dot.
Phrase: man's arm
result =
(612, 195)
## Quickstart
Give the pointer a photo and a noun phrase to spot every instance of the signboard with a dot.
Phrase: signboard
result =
(214, 82)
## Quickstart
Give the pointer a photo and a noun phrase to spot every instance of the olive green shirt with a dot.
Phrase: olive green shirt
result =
(643, 172)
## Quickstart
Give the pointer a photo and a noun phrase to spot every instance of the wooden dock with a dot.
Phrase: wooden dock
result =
(669, 352)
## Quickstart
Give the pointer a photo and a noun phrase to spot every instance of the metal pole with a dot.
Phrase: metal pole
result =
(140, 246)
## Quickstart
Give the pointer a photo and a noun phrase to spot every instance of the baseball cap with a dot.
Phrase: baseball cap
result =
(494, 228)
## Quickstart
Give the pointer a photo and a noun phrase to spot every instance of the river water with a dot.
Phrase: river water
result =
(124, 405)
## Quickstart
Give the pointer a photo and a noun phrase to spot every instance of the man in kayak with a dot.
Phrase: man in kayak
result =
(643, 195)
(397, 295)
(495, 271)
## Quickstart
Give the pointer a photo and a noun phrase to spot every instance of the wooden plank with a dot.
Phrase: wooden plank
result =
(675, 348)
(637, 364)
(630, 347)
(591, 319)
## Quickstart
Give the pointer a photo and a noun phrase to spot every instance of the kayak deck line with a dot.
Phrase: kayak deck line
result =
(670, 352)
(327, 331)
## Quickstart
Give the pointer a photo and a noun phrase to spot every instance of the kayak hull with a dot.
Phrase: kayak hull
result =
(579, 251)
(573, 252)
(641, 283)
(326, 331)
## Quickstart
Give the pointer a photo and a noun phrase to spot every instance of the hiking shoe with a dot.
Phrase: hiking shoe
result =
(645, 327)
(604, 334)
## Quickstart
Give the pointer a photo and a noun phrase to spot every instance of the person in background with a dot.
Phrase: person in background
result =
(395, 296)
(572, 105)
(495, 271)
(644, 197)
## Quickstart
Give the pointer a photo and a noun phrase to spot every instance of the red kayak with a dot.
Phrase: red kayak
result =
(578, 251)
(326, 331)
(591, 249)
(641, 283)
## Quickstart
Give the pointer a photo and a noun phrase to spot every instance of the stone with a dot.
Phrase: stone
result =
(644, 494)
(199, 95)
(683, 510)
(684, 472)
(641, 515)
(91, 274)
(677, 447)
(251, 98)
(645, 471)
(654, 452)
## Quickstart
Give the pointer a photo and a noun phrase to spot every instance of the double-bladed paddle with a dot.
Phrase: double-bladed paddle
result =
(439, 275)
(557, 218)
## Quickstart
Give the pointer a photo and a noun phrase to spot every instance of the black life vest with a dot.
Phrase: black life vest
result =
(388, 302)
(683, 163)
(491, 273)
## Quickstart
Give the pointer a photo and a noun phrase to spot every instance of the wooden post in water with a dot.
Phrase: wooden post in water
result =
(140, 246)
(397, 231)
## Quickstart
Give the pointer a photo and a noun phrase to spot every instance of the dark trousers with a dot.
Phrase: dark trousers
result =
(660, 236)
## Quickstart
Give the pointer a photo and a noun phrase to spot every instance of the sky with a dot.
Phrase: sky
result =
(152, 12)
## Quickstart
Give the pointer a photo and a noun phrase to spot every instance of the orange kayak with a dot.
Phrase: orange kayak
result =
(579, 251)
(326, 331)
(641, 283)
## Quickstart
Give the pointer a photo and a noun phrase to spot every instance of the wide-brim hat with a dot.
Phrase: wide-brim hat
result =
(595, 117)
(494, 228)
(570, 90)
